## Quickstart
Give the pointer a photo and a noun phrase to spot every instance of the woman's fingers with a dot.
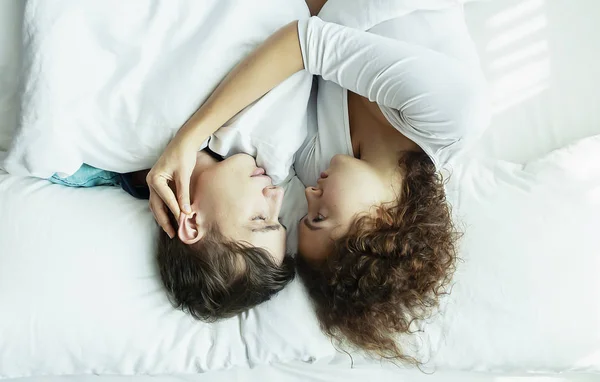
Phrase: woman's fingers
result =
(161, 214)
(161, 187)
(161, 197)
(176, 164)
(182, 184)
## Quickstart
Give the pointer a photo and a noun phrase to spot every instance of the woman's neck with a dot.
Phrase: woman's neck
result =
(374, 139)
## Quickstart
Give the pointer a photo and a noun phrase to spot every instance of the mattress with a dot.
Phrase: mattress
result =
(528, 197)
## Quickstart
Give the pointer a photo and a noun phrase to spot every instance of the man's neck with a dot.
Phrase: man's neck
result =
(204, 160)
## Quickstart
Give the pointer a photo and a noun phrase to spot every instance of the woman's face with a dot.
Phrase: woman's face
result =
(237, 196)
(349, 188)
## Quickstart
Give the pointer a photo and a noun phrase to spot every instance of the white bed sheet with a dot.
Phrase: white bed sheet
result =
(534, 52)
(295, 372)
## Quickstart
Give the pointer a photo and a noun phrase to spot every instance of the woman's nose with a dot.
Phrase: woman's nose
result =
(312, 192)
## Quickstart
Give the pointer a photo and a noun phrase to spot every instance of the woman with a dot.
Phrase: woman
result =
(377, 245)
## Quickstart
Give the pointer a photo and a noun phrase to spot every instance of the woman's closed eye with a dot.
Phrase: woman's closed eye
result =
(259, 217)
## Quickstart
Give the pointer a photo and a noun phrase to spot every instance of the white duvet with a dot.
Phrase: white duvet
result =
(109, 83)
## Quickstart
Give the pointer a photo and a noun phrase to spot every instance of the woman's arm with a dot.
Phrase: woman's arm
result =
(273, 62)
(430, 90)
(399, 75)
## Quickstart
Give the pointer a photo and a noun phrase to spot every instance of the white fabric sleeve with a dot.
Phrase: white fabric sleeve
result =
(365, 14)
(435, 95)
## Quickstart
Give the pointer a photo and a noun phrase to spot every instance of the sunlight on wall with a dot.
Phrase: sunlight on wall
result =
(513, 13)
(519, 54)
(513, 35)
(530, 51)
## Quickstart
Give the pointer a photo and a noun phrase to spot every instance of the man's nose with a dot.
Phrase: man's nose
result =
(274, 197)
(273, 192)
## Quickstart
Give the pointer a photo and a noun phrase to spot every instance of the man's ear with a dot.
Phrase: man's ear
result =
(192, 228)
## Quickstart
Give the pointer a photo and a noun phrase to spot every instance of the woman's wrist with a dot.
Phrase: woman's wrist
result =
(193, 134)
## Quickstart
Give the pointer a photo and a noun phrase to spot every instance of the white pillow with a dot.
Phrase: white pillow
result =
(80, 294)
(108, 83)
(527, 294)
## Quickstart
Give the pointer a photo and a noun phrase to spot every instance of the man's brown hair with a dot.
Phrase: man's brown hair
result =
(217, 277)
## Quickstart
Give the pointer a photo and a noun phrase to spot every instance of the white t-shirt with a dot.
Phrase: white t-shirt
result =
(421, 68)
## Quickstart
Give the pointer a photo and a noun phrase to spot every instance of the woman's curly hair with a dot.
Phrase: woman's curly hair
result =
(388, 270)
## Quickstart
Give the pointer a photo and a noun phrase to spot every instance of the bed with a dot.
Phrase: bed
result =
(525, 303)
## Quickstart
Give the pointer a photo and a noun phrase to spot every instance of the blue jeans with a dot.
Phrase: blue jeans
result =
(88, 176)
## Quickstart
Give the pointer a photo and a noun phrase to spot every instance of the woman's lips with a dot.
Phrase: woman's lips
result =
(324, 175)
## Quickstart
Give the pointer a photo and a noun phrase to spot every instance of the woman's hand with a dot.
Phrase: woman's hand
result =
(175, 165)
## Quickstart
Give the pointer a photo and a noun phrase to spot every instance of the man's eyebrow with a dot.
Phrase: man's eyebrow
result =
(274, 227)
(310, 226)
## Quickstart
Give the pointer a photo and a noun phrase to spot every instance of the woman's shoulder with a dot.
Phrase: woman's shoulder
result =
(365, 14)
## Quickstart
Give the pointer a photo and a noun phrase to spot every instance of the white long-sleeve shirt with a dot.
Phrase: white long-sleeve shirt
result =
(421, 68)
